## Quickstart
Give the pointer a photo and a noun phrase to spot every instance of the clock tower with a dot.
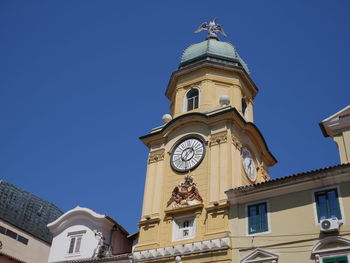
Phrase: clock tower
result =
(207, 145)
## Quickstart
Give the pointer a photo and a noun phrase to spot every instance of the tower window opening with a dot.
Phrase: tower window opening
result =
(192, 99)
(244, 108)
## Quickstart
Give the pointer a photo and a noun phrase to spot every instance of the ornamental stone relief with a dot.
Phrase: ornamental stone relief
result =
(236, 142)
(263, 171)
(156, 156)
(186, 193)
(218, 138)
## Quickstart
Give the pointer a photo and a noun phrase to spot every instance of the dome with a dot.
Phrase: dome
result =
(215, 48)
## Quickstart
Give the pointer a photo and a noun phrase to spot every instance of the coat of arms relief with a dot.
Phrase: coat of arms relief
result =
(185, 194)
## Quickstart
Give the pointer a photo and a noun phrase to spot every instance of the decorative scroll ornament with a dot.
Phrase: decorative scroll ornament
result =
(236, 142)
(212, 28)
(218, 138)
(156, 156)
(185, 193)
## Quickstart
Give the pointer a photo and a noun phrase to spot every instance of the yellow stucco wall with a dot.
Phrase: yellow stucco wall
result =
(221, 169)
(212, 83)
(343, 142)
(293, 227)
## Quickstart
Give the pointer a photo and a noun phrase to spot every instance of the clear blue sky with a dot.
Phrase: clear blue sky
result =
(80, 81)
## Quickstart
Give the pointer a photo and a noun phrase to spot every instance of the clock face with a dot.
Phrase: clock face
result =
(248, 164)
(187, 154)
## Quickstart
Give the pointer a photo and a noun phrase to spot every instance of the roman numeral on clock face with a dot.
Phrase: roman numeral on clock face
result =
(187, 154)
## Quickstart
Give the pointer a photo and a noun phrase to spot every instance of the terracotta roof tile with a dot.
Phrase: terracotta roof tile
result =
(12, 257)
(287, 178)
(114, 257)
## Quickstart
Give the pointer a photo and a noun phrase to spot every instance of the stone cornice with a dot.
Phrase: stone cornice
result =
(225, 114)
(184, 249)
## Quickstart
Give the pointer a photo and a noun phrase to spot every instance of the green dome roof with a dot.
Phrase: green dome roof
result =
(214, 47)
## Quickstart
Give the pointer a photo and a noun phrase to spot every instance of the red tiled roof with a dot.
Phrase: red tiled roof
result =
(287, 178)
(115, 257)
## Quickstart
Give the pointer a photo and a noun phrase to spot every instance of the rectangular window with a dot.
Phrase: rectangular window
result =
(74, 245)
(343, 259)
(183, 229)
(2, 230)
(71, 245)
(327, 204)
(192, 103)
(257, 218)
(11, 234)
(22, 239)
(77, 245)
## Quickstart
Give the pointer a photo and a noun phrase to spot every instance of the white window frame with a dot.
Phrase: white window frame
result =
(268, 218)
(176, 227)
(340, 200)
(185, 99)
(77, 235)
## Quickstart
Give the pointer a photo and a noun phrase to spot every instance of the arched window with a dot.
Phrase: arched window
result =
(192, 99)
(332, 249)
(244, 109)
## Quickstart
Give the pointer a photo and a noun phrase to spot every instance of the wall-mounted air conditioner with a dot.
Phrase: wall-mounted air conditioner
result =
(329, 224)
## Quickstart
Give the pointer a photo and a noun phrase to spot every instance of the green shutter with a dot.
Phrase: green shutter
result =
(257, 218)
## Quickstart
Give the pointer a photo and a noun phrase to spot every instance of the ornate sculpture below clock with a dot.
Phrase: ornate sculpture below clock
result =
(185, 193)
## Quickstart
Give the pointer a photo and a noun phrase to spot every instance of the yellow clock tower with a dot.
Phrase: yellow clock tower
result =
(207, 145)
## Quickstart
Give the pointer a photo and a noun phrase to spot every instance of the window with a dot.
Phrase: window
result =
(257, 218)
(331, 249)
(244, 109)
(343, 259)
(192, 98)
(75, 241)
(22, 240)
(11, 234)
(74, 246)
(183, 228)
(327, 204)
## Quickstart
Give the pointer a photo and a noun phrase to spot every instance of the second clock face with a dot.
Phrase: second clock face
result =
(248, 164)
(187, 154)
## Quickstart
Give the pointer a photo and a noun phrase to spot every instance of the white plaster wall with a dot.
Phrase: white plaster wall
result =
(60, 243)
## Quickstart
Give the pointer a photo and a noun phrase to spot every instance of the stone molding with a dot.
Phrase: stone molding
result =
(236, 142)
(320, 249)
(260, 256)
(184, 249)
(156, 156)
(218, 138)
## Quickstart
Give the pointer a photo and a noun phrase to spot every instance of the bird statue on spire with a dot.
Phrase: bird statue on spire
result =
(212, 28)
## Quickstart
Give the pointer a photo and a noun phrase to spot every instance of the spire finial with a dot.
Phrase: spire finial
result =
(212, 28)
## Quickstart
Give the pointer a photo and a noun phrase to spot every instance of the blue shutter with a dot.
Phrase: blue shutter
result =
(322, 206)
(327, 204)
(334, 210)
(257, 218)
(252, 219)
(263, 217)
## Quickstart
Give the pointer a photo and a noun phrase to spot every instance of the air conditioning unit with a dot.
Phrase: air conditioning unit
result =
(329, 225)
